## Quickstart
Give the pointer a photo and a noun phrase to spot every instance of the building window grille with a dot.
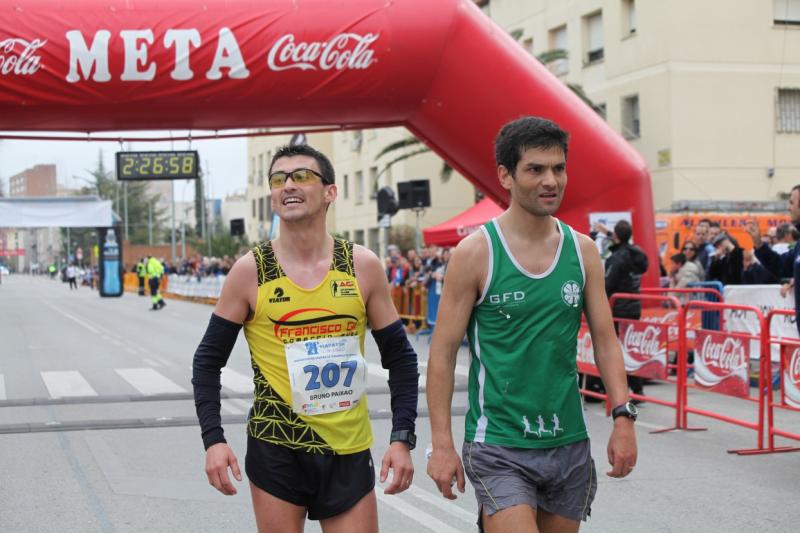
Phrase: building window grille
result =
(788, 113)
(631, 129)
(786, 12)
(594, 34)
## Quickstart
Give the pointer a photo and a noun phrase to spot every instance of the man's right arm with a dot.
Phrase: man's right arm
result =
(233, 308)
(460, 291)
(779, 265)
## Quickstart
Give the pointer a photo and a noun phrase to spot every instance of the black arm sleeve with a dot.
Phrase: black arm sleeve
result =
(211, 355)
(400, 359)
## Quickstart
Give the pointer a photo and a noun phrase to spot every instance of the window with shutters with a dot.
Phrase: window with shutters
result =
(786, 12)
(558, 41)
(631, 129)
(359, 187)
(788, 112)
(628, 18)
(593, 25)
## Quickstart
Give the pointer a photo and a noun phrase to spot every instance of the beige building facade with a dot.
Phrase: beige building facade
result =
(359, 175)
(708, 92)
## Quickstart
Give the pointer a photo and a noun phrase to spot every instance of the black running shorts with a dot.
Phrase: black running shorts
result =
(327, 485)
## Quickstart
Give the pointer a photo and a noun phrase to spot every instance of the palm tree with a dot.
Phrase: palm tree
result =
(411, 146)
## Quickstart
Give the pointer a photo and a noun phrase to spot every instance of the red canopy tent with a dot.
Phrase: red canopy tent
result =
(450, 232)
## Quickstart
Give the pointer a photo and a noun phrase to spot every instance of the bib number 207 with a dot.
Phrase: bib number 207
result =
(330, 374)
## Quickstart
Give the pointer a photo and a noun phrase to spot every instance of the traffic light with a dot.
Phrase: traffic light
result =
(387, 202)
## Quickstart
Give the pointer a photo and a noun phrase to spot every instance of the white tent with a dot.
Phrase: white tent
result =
(50, 212)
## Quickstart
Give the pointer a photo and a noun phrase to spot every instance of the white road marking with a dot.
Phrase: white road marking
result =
(74, 319)
(148, 381)
(230, 407)
(243, 403)
(461, 370)
(2, 387)
(150, 361)
(162, 360)
(437, 500)
(378, 371)
(412, 512)
(66, 383)
(236, 381)
(638, 422)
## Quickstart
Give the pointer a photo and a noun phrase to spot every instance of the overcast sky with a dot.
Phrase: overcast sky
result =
(225, 160)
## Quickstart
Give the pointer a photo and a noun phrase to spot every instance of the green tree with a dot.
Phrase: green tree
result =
(101, 182)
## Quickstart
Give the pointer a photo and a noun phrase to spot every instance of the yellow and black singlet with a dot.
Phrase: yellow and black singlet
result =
(306, 349)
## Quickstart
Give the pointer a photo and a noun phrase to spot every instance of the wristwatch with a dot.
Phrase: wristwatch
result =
(626, 409)
(404, 435)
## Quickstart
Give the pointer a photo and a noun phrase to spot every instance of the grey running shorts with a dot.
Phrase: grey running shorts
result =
(561, 481)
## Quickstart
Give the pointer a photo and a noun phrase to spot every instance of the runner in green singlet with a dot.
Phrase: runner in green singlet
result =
(518, 288)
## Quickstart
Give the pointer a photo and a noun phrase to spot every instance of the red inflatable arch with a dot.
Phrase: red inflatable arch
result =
(441, 68)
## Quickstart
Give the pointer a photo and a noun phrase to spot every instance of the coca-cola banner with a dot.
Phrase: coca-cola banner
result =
(644, 348)
(721, 362)
(586, 362)
(791, 375)
(766, 298)
(441, 68)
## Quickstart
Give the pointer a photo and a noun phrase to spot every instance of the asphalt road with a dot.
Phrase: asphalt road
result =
(97, 433)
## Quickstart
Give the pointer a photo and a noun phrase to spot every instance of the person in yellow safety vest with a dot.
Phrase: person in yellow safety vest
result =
(154, 271)
(52, 270)
(141, 272)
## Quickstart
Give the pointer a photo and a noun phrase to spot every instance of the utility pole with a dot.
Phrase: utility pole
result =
(172, 235)
(150, 222)
(125, 201)
(205, 210)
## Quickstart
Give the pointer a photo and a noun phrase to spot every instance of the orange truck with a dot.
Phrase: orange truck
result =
(673, 229)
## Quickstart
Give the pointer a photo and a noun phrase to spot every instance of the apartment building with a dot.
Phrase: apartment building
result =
(708, 92)
(359, 175)
(41, 245)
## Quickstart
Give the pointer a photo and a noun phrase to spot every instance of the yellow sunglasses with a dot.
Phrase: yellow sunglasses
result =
(300, 176)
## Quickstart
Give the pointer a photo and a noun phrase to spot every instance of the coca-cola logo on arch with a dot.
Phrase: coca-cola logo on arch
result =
(345, 51)
(20, 57)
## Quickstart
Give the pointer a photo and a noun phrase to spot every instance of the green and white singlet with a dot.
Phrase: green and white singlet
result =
(523, 388)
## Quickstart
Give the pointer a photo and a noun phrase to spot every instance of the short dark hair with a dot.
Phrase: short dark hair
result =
(523, 133)
(623, 230)
(290, 150)
(679, 258)
(702, 220)
(714, 224)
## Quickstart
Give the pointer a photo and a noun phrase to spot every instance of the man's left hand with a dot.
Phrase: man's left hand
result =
(398, 458)
(622, 448)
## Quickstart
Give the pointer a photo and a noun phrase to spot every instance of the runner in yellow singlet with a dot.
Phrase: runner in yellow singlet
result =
(304, 300)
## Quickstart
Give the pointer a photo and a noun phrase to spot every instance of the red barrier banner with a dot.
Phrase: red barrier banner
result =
(791, 374)
(721, 362)
(644, 348)
(8, 252)
(667, 315)
(586, 362)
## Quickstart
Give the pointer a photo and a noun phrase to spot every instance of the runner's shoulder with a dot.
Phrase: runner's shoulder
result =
(243, 271)
(365, 260)
(472, 250)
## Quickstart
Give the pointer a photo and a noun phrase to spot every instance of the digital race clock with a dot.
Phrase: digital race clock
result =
(158, 165)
